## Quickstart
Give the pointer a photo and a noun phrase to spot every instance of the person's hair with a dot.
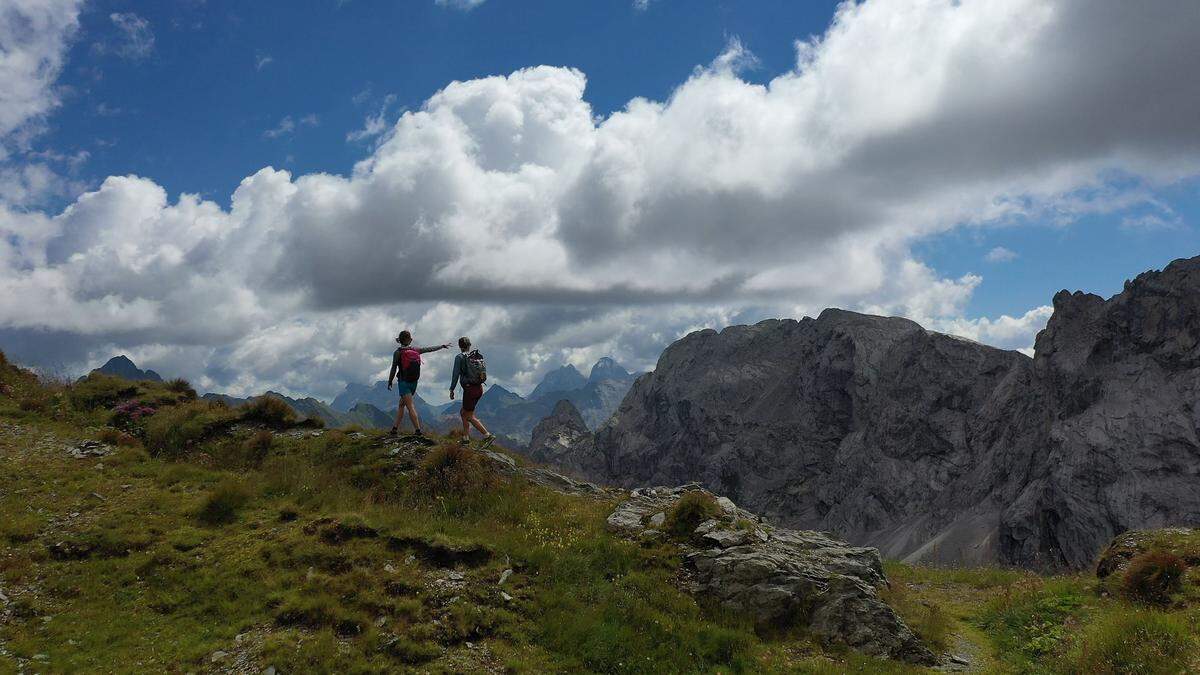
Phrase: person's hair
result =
(464, 343)
(404, 338)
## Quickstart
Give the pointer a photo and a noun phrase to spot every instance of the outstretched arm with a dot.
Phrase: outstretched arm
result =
(426, 350)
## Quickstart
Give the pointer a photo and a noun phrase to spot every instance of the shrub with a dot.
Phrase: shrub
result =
(181, 386)
(128, 414)
(98, 390)
(1146, 642)
(1153, 576)
(118, 438)
(269, 410)
(32, 404)
(453, 469)
(257, 446)
(176, 429)
(692, 509)
(223, 503)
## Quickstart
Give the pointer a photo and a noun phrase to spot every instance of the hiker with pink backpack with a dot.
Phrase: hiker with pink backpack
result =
(406, 362)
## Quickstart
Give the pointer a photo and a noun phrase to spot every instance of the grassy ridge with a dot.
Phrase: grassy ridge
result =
(227, 540)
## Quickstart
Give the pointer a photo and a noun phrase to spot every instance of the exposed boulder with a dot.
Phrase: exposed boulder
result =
(780, 577)
(930, 447)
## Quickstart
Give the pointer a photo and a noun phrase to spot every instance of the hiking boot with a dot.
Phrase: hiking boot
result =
(465, 440)
(418, 433)
(393, 432)
(487, 441)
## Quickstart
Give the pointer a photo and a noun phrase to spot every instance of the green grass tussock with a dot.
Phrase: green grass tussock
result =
(176, 430)
(1140, 642)
(222, 504)
(1153, 577)
(269, 410)
(692, 509)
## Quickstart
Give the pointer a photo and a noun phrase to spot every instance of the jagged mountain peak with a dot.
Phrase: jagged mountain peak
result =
(607, 369)
(563, 378)
(123, 366)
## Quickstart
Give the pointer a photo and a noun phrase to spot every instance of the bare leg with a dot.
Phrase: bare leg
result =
(399, 415)
(412, 412)
(478, 425)
(466, 421)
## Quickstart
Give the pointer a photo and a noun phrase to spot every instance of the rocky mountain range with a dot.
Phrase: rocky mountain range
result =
(931, 447)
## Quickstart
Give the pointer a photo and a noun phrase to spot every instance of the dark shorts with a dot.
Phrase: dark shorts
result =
(471, 396)
(409, 388)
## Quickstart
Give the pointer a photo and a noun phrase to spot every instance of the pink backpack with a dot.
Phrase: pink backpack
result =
(410, 364)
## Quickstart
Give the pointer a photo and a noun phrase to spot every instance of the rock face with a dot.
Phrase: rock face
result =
(557, 438)
(931, 447)
(779, 577)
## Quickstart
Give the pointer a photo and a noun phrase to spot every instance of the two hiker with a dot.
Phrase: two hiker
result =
(469, 369)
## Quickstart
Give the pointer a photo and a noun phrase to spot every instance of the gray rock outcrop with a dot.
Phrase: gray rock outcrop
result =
(779, 577)
(931, 447)
(559, 438)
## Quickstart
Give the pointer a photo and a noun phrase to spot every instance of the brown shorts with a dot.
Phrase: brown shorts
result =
(471, 396)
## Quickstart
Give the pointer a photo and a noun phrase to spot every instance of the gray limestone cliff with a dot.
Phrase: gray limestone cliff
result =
(931, 447)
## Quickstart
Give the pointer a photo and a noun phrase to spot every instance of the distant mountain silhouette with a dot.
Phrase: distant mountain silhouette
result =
(121, 366)
(508, 413)
(361, 414)
(557, 381)
(380, 397)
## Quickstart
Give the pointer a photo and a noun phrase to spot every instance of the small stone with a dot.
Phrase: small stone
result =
(727, 505)
(658, 519)
(389, 568)
(381, 621)
(706, 527)
(504, 576)
(455, 576)
(410, 559)
(99, 496)
(453, 600)
(269, 671)
(41, 657)
(218, 656)
(506, 596)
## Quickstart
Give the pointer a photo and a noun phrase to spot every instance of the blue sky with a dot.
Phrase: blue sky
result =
(192, 113)
(957, 163)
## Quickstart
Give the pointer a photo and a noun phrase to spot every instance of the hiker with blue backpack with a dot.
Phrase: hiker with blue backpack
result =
(471, 370)
(406, 362)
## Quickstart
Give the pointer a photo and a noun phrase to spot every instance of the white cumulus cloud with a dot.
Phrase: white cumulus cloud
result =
(505, 208)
